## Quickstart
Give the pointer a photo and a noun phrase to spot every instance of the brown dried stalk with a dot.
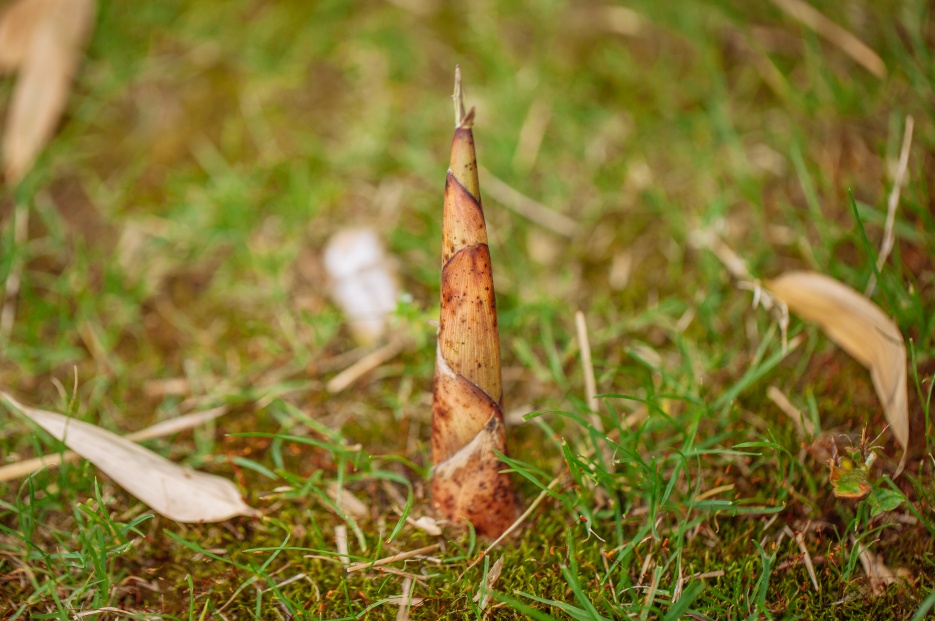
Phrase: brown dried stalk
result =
(467, 409)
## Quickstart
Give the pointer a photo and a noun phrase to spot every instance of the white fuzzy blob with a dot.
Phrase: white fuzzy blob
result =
(363, 283)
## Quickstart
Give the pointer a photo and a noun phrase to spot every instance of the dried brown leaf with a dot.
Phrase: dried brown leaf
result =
(159, 430)
(51, 57)
(18, 23)
(177, 492)
(861, 329)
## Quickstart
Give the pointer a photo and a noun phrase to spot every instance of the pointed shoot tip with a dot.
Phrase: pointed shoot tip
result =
(458, 98)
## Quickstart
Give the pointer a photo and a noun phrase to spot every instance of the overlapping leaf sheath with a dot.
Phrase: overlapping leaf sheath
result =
(467, 416)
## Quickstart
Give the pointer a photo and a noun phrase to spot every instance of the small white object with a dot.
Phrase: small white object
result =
(363, 283)
(340, 542)
(427, 524)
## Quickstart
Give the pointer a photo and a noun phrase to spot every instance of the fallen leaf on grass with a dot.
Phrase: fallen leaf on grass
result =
(159, 430)
(43, 39)
(861, 329)
(177, 492)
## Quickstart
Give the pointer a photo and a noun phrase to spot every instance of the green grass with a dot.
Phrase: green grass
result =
(210, 149)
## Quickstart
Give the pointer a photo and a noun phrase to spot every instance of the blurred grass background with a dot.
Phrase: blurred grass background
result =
(211, 148)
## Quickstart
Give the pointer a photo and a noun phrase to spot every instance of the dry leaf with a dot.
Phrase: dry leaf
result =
(159, 430)
(347, 502)
(879, 575)
(18, 24)
(177, 492)
(404, 600)
(46, 49)
(340, 543)
(363, 283)
(803, 423)
(861, 329)
(483, 592)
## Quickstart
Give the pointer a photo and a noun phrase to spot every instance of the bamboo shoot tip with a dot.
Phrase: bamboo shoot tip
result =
(458, 98)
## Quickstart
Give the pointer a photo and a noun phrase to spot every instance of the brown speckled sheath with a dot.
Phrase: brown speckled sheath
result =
(467, 416)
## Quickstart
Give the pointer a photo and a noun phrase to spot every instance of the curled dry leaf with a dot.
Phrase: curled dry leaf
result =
(467, 407)
(363, 283)
(177, 492)
(861, 329)
(43, 39)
